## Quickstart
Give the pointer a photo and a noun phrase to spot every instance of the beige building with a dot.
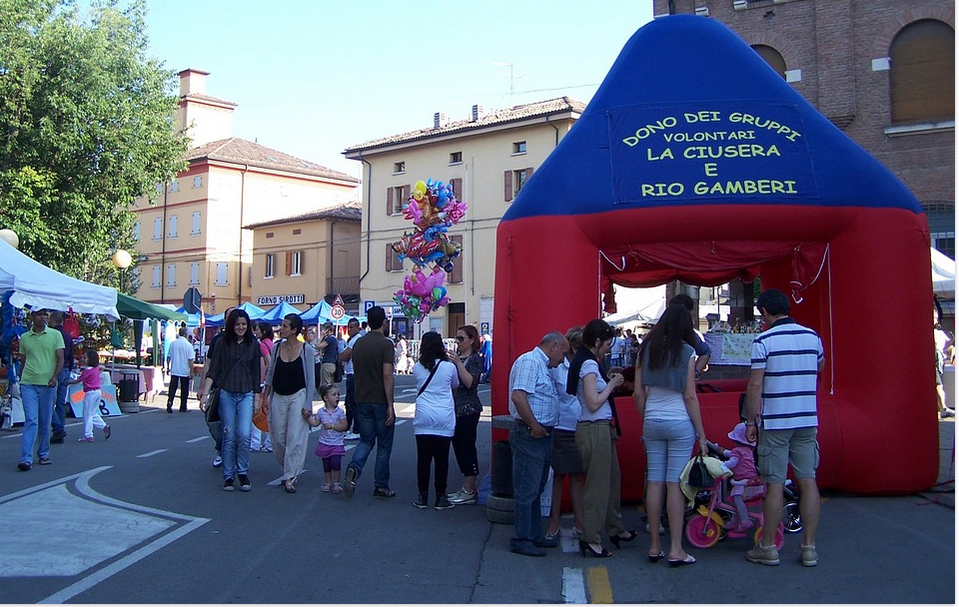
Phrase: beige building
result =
(304, 258)
(192, 232)
(486, 158)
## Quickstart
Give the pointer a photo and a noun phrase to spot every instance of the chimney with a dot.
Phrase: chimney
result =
(477, 113)
(192, 81)
(439, 120)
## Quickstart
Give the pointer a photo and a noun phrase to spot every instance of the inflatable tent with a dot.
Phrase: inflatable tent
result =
(695, 161)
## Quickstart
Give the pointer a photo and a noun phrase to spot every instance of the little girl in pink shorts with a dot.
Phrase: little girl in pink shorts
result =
(329, 446)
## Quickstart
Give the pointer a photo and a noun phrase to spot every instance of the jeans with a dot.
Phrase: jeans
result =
(371, 421)
(236, 415)
(531, 458)
(60, 403)
(37, 411)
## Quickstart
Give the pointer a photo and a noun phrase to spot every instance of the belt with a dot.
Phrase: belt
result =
(519, 420)
(595, 421)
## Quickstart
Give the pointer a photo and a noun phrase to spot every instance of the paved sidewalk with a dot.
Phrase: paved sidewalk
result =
(945, 490)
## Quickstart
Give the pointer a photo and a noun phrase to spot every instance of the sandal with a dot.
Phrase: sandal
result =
(325, 487)
(288, 485)
(337, 488)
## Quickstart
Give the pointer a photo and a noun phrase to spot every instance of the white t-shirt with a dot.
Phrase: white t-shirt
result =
(604, 411)
(181, 357)
(435, 413)
(348, 367)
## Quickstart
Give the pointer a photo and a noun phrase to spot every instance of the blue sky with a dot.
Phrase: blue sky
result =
(312, 77)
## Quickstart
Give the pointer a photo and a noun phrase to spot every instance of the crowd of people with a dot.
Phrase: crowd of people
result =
(564, 416)
(561, 400)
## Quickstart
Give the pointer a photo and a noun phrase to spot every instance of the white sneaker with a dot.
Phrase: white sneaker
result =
(351, 436)
(217, 461)
(462, 497)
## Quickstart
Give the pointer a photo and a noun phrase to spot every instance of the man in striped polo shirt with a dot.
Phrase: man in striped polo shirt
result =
(786, 360)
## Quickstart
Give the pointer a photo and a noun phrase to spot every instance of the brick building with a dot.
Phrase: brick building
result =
(883, 71)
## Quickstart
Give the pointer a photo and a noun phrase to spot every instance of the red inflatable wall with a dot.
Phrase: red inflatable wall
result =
(878, 427)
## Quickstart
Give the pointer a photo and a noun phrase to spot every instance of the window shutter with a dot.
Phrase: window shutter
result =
(389, 201)
(302, 262)
(507, 185)
(406, 196)
(289, 263)
(922, 74)
(389, 258)
(457, 185)
(456, 276)
(529, 173)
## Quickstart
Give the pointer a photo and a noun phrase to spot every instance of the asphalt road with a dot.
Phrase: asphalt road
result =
(141, 518)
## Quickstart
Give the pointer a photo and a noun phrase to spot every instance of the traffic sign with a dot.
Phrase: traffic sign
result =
(191, 300)
(338, 301)
(337, 312)
(367, 304)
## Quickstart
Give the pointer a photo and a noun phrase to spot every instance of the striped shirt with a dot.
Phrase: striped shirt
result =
(530, 373)
(789, 355)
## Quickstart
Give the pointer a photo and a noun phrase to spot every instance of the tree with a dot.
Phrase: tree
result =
(86, 126)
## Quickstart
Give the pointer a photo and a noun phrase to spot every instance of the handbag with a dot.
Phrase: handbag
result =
(212, 412)
(261, 420)
(699, 476)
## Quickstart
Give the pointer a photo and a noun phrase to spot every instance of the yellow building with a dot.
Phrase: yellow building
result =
(192, 231)
(486, 158)
(304, 258)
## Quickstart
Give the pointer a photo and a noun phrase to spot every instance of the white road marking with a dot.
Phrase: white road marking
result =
(199, 438)
(574, 587)
(152, 453)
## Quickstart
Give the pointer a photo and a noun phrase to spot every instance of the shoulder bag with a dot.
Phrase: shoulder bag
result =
(428, 379)
(212, 412)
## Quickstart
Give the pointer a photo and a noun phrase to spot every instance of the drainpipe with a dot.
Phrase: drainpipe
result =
(239, 293)
(163, 247)
(556, 135)
(369, 215)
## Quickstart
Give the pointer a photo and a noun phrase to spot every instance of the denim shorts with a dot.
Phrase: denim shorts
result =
(777, 448)
(669, 445)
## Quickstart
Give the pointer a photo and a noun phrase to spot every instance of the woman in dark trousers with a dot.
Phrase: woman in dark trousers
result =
(235, 368)
(469, 367)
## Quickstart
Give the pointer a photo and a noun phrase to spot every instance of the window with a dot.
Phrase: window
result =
(221, 270)
(456, 157)
(393, 261)
(171, 275)
(269, 234)
(922, 73)
(270, 261)
(297, 232)
(513, 182)
(156, 277)
(395, 198)
(456, 275)
(772, 57)
(294, 263)
(941, 215)
(175, 185)
(158, 228)
(195, 273)
(172, 226)
(519, 148)
(198, 182)
(457, 185)
(399, 167)
(136, 231)
(195, 224)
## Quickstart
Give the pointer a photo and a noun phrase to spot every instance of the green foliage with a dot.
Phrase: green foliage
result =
(86, 126)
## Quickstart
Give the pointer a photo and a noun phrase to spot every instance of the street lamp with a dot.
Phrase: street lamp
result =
(10, 237)
(121, 261)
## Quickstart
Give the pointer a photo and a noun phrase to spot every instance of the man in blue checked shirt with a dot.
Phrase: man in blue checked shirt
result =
(534, 406)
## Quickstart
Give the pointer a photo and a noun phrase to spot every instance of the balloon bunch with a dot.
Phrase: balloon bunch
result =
(432, 208)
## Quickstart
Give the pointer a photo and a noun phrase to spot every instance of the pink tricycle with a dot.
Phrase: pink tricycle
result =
(713, 512)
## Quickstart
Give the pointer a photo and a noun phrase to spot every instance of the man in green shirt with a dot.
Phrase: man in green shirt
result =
(41, 350)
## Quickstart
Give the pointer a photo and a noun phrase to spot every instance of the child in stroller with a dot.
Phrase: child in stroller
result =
(741, 461)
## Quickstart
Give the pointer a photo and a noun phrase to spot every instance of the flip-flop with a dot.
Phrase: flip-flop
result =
(689, 560)
(654, 558)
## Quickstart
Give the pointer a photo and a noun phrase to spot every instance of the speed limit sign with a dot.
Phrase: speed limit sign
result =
(337, 312)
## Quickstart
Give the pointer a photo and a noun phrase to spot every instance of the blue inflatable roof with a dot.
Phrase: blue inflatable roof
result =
(689, 115)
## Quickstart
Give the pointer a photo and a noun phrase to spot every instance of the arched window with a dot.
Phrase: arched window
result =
(922, 73)
(772, 57)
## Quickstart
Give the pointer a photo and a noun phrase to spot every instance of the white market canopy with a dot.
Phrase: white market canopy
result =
(38, 286)
(943, 274)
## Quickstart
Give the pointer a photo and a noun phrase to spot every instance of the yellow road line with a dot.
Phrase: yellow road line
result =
(597, 580)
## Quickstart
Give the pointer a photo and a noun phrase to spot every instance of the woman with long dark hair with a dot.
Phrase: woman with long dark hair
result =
(434, 421)
(235, 367)
(595, 434)
(288, 399)
(469, 368)
(666, 399)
